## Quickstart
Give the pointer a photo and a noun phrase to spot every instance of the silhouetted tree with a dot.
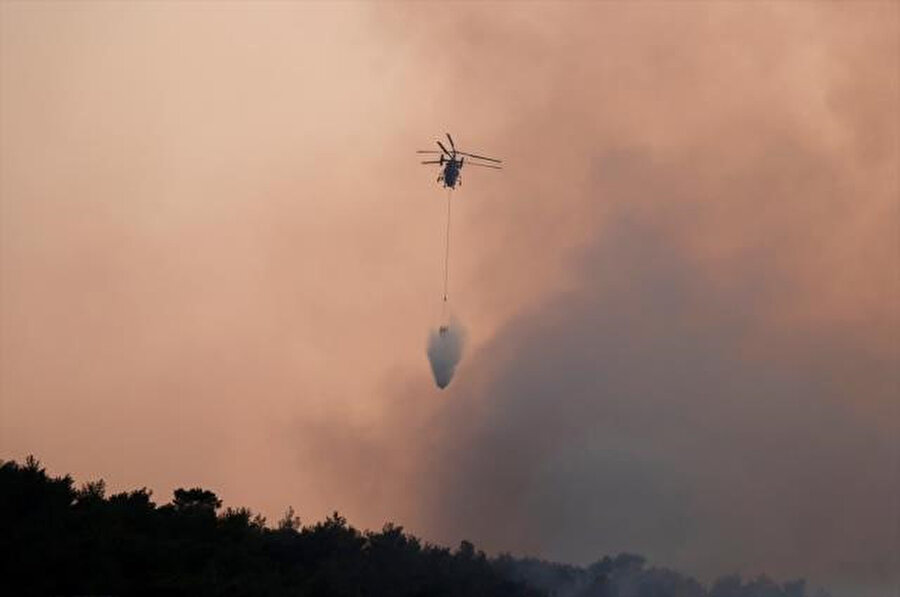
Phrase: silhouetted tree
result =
(290, 521)
(196, 500)
(57, 540)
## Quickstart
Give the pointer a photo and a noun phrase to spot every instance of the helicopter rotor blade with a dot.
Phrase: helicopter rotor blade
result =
(480, 157)
(428, 151)
(451, 141)
(432, 162)
(484, 165)
(441, 145)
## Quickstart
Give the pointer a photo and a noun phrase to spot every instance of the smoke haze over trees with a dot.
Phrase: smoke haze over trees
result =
(59, 539)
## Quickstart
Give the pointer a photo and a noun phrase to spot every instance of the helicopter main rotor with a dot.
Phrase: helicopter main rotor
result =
(453, 152)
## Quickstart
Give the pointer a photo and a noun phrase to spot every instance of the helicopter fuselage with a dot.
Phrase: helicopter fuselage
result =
(450, 176)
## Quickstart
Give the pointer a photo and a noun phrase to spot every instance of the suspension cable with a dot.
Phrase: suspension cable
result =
(447, 248)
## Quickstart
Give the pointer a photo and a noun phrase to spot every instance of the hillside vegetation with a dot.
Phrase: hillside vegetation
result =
(61, 540)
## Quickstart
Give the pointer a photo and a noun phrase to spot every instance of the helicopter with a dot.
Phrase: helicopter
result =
(452, 162)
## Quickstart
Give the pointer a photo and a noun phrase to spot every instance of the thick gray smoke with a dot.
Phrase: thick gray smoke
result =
(445, 346)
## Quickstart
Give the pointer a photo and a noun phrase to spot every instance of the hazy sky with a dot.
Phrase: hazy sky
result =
(220, 262)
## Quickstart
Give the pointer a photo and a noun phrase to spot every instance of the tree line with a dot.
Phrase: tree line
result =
(59, 539)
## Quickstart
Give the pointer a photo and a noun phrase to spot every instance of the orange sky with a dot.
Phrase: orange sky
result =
(219, 262)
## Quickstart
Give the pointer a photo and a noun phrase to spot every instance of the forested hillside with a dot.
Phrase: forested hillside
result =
(61, 540)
